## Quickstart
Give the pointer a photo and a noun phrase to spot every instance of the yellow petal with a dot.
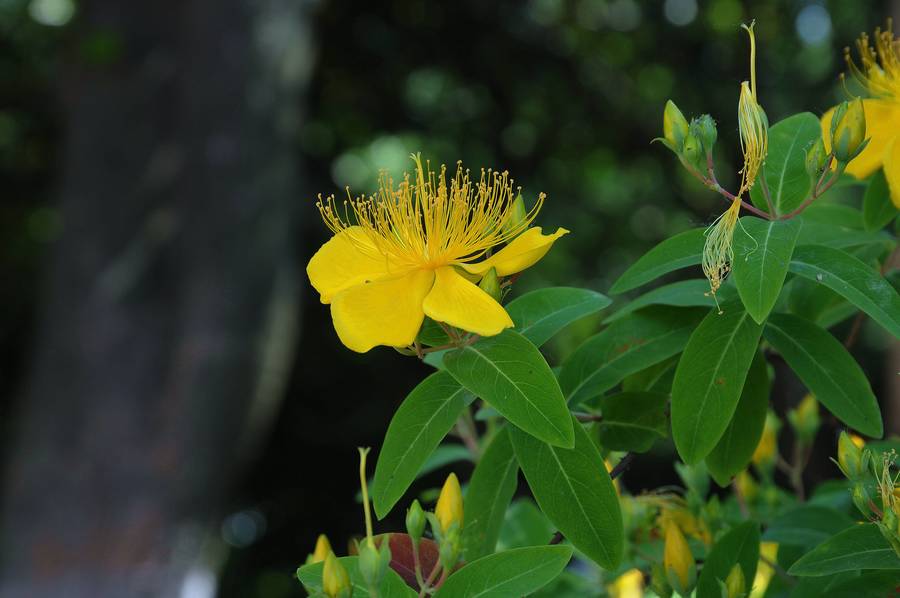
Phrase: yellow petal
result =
(892, 169)
(348, 259)
(882, 125)
(384, 312)
(524, 251)
(456, 301)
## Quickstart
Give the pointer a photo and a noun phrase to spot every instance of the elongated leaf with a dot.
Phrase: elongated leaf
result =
(490, 490)
(575, 492)
(848, 276)
(627, 346)
(859, 547)
(515, 572)
(417, 428)
(540, 314)
(735, 448)
(632, 421)
(685, 293)
(807, 525)
(739, 546)
(709, 379)
(392, 586)
(762, 253)
(785, 169)
(878, 209)
(510, 373)
(525, 525)
(827, 370)
(872, 584)
(680, 251)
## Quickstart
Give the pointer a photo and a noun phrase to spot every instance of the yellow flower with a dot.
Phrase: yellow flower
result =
(879, 73)
(628, 585)
(449, 508)
(413, 251)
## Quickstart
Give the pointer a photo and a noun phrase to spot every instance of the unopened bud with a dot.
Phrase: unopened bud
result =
(805, 419)
(335, 579)
(449, 547)
(374, 561)
(490, 284)
(692, 151)
(705, 129)
(449, 508)
(735, 583)
(862, 499)
(415, 521)
(746, 485)
(323, 548)
(767, 450)
(517, 216)
(678, 561)
(850, 457)
(675, 127)
(815, 158)
(848, 130)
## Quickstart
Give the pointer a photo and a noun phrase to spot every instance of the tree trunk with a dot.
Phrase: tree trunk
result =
(168, 318)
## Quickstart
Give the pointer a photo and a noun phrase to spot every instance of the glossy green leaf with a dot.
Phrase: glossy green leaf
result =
(871, 584)
(575, 492)
(685, 293)
(417, 428)
(857, 282)
(733, 451)
(627, 346)
(488, 495)
(524, 525)
(740, 545)
(540, 314)
(680, 251)
(859, 547)
(392, 585)
(515, 572)
(510, 373)
(878, 209)
(762, 252)
(827, 370)
(785, 169)
(632, 421)
(656, 378)
(807, 525)
(709, 379)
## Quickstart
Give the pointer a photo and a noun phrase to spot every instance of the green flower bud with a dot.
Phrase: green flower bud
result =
(735, 584)
(374, 561)
(335, 579)
(850, 457)
(692, 151)
(490, 284)
(518, 216)
(675, 127)
(415, 521)
(848, 133)
(705, 129)
(450, 545)
(815, 158)
(862, 499)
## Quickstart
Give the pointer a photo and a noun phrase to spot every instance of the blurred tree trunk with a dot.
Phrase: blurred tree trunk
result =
(168, 321)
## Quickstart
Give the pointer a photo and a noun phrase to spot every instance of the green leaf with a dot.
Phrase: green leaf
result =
(431, 334)
(515, 572)
(859, 547)
(417, 428)
(632, 421)
(575, 492)
(858, 283)
(540, 314)
(685, 293)
(510, 373)
(735, 448)
(392, 585)
(807, 525)
(524, 525)
(739, 546)
(874, 584)
(490, 490)
(627, 346)
(827, 370)
(785, 169)
(709, 379)
(878, 209)
(762, 252)
(680, 251)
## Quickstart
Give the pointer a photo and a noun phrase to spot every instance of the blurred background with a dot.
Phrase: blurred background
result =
(177, 415)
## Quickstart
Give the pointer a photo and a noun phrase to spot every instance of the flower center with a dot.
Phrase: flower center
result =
(879, 72)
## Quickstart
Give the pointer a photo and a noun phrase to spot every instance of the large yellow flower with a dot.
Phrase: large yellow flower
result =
(412, 251)
(879, 73)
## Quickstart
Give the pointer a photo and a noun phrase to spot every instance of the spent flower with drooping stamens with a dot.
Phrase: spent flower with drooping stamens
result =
(718, 252)
(753, 125)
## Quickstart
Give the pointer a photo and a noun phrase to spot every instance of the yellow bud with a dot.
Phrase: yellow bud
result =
(323, 548)
(490, 284)
(849, 134)
(678, 561)
(735, 584)
(767, 449)
(449, 509)
(746, 485)
(335, 579)
(628, 585)
(850, 457)
(805, 419)
(858, 441)
(675, 127)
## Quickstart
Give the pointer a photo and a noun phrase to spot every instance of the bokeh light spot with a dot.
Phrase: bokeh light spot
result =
(680, 12)
(813, 25)
(53, 13)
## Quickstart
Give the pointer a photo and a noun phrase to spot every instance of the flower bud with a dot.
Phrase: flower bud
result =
(850, 457)
(658, 582)
(862, 499)
(746, 485)
(675, 127)
(517, 218)
(449, 509)
(335, 579)
(373, 562)
(767, 450)
(449, 548)
(805, 419)
(323, 547)
(815, 158)
(627, 585)
(490, 284)
(415, 521)
(848, 130)
(705, 128)
(678, 561)
(735, 584)
(692, 151)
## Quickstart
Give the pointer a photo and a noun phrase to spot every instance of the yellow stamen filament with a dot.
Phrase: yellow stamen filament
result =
(880, 65)
(426, 223)
(752, 124)
(718, 252)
